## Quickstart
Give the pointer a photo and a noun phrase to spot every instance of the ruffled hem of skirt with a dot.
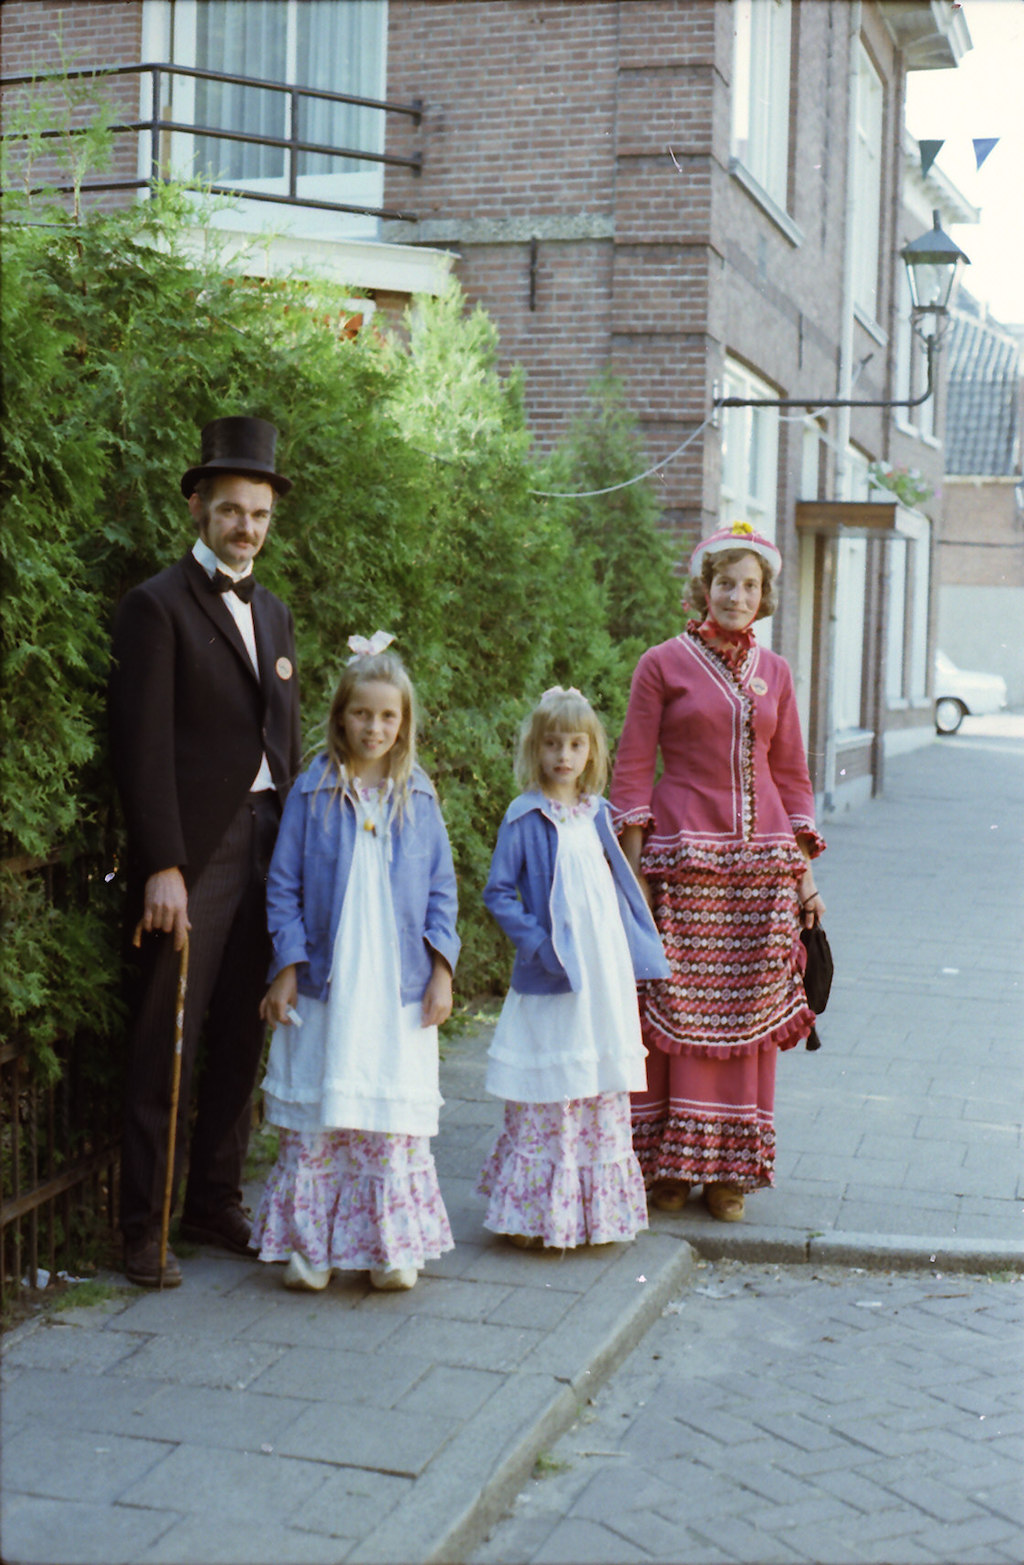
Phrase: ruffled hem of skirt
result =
(564, 1204)
(313, 1203)
(786, 1035)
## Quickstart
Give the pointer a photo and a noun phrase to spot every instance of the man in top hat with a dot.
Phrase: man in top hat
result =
(204, 720)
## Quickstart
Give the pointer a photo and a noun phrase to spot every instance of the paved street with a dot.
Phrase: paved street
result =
(781, 1414)
(230, 1421)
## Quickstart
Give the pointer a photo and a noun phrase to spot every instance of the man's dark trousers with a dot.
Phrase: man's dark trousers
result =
(229, 953)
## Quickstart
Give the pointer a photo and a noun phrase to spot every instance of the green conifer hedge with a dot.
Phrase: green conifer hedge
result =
(413, 510)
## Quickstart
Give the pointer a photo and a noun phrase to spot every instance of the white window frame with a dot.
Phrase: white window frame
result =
(851, 600)
(749, 490)
(762, 32)
(896, 624)
(170, 29)
(865, 238)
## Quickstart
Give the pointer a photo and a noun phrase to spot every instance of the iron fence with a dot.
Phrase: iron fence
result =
(157, 128)
(59, 1139)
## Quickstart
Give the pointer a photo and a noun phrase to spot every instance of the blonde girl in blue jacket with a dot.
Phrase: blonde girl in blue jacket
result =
(567, 1049)
(361, 904)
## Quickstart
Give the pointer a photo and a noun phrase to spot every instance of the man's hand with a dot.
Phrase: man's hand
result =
(164, 907)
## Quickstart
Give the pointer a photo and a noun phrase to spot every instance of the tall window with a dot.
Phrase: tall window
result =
(896, 624)
(340, 47)
(750, 462)
(851, 593)
(750, 454)
(867, 186)
(760, 95)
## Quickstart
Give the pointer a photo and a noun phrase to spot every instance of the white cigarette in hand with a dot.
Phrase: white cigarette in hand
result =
(294, 1017)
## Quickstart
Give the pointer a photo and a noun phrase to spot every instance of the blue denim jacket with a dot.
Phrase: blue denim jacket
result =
(310, 868)
(521, 895)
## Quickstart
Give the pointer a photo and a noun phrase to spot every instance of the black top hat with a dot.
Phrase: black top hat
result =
(242, 446)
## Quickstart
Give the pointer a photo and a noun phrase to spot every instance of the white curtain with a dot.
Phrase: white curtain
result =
(243, 38)
(341, 48)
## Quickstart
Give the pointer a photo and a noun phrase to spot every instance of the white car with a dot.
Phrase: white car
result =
(961, 692)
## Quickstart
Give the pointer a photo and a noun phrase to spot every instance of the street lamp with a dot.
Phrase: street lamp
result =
(931, 263)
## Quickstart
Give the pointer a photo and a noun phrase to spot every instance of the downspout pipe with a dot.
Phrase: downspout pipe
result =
(843, 391)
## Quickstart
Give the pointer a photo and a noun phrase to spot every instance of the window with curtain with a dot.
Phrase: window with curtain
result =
(867, 185)
(896, 625)
(760, 92)
(851, 598)
(750, 454)
(750, 463)
(335, 45)
(247, 40)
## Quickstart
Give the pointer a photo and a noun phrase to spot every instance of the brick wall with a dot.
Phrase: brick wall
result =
(47, 35)
(981, 543)
(554, 121)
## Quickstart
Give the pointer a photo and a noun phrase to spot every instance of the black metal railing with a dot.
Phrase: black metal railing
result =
(59, 1138)
(292, 144)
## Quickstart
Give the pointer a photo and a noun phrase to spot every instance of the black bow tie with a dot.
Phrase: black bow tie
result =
(245, 586)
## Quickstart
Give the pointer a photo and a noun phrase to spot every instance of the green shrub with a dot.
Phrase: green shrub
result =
(413, 510)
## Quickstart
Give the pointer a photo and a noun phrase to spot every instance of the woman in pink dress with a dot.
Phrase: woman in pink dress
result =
(722, 845)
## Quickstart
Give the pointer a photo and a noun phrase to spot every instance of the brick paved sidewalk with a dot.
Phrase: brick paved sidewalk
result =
(796, 1414)
(232, 1421)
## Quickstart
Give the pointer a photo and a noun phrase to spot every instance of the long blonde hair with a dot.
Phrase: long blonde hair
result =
(388, 668)
(562, 712)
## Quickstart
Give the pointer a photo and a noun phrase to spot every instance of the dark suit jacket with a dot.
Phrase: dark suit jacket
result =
(189, 719)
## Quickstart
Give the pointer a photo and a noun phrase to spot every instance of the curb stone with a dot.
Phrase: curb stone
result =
(876, 1252)
(460, 1497)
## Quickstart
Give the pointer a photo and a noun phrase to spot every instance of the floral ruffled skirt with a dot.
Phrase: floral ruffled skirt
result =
(353, 1200)
(566, 1173)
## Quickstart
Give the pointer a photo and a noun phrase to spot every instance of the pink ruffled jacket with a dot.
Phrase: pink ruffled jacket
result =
(735, 769)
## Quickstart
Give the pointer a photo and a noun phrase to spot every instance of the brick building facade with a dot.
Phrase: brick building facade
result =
(703, 196)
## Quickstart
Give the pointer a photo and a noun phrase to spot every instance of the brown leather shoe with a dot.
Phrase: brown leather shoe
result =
(142, 1264)
(229, 1228)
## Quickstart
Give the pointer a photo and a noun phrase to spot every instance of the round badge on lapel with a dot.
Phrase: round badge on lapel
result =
(758, 686)
(284, 668)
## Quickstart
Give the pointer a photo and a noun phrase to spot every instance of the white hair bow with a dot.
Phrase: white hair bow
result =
(369, 646)
(556, 690)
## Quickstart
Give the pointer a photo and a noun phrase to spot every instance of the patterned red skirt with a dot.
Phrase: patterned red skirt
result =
(712, 1029)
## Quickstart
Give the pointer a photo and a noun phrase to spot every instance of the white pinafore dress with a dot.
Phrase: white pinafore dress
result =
(563, 1168)
(355, 1091)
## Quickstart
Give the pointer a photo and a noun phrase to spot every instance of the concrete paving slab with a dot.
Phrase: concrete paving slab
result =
(315, 1374)
(64, 1465)
(229, 1541)
(391, 1441)
(252, 1488)
(40, 1531)
(197, 1361)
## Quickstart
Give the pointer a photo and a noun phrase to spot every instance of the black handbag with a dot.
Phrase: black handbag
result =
(817, 975)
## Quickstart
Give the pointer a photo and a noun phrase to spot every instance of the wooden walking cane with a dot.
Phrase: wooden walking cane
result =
(179, 1033)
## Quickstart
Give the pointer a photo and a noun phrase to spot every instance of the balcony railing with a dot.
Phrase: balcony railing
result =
(293, 144)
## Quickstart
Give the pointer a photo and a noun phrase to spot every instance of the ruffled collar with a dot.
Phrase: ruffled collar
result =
(581, 809)
(732, 645)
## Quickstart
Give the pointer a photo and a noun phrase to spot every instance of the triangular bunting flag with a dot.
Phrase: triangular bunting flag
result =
(982, 147)
(929, 152)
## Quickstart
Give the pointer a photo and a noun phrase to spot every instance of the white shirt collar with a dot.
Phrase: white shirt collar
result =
(211, 564)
